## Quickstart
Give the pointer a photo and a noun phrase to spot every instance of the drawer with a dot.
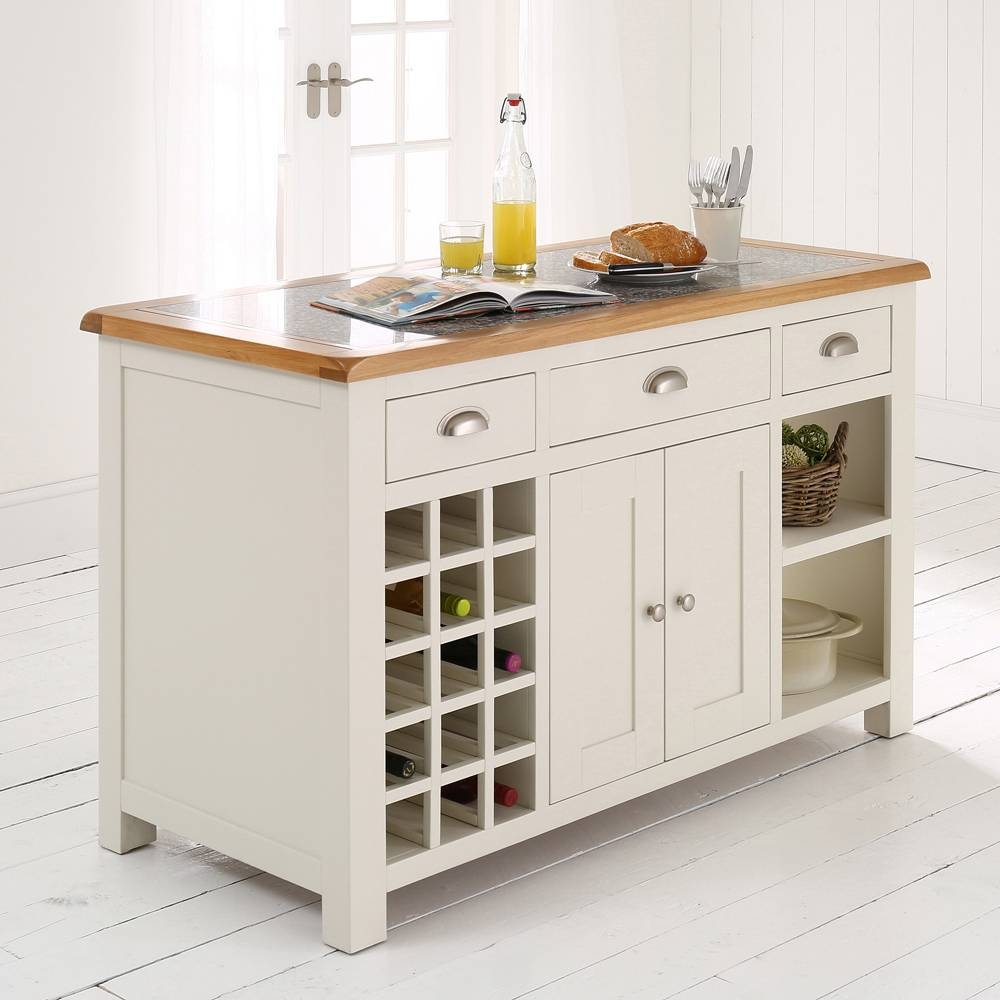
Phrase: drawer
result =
(604, 397)
(455, 427)
(835, 349)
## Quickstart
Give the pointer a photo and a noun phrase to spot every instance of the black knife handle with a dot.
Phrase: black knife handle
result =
(644, 267)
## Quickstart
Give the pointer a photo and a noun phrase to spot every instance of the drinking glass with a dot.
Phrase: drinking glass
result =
(461, 247)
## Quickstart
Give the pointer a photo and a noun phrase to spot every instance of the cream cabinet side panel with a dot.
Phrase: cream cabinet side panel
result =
(718, 556)
(223, 586)
(606, 653)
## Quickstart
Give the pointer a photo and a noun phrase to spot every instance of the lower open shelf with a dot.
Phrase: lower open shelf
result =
(853, 677)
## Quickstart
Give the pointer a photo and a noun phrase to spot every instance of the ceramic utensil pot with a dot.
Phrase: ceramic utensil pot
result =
(719, 229)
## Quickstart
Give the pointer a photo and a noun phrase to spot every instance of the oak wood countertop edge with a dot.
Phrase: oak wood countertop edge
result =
(131, 322)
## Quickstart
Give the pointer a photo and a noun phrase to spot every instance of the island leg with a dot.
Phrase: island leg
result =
(352, 683)
(117, 830)
(896, 716)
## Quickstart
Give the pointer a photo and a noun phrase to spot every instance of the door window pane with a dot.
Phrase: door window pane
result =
(373, 105)
(426, 111)
(373, 209)
(427, 10)
(373, 11)
(426, 201)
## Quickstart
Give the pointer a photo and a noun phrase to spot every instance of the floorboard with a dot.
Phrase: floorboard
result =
(927, 473)
(834, 865)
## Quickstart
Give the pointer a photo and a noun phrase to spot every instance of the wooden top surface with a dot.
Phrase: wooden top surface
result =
(277, 327)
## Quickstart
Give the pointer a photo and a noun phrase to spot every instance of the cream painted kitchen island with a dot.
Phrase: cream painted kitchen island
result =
(612, 511)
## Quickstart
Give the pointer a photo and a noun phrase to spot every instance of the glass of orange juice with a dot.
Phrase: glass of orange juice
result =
(461, 247)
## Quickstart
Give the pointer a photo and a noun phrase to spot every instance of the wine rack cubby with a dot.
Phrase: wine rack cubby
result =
(459, 687)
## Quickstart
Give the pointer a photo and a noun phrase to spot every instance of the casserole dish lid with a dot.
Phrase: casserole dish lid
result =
(802, 619)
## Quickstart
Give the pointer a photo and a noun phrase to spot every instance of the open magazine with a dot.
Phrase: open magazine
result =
(413, 298)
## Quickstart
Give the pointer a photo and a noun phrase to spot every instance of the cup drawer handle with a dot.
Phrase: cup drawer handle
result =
(665, 380)
(458, 423)
(839, 345)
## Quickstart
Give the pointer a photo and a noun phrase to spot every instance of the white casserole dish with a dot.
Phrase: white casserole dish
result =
(809, 662)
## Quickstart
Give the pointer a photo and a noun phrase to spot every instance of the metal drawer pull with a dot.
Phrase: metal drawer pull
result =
(657, 612)
(839, 345)
(461, 422)
(686, 602)
(665, 380)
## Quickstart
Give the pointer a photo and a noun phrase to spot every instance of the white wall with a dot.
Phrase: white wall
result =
(78, 230)
(872, 122)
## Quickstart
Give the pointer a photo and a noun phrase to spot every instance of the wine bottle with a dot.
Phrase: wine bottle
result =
(465, 653)
(398, 765)
(408, 595)
(467, 790)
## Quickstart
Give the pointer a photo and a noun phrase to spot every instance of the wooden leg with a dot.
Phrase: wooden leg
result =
(125, 833)
(353, 921)
(118, 831)
(896, 715)
(352, 676)
(891, 719)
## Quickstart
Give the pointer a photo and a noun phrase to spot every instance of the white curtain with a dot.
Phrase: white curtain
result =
(570, 63)
(218, 99)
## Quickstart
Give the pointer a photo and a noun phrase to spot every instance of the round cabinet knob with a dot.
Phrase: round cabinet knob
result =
(686, 602)
(657, 612)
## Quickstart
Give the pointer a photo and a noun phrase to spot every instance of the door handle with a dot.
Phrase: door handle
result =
(458, 423)
(839, 345)
(665, 380)
(334, 84)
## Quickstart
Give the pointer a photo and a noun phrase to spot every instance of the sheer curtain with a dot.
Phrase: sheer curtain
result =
(218, 99)
(607, 87)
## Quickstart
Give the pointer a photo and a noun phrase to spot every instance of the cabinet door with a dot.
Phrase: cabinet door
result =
(717, 525)
(606, 653)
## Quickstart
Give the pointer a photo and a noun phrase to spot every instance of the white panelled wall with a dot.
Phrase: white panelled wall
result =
(874, 129)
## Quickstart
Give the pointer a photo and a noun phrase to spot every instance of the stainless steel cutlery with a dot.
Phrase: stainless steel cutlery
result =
(718, 184)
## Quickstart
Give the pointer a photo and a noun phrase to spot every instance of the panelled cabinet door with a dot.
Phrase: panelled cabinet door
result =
(718, 652)
(606, 652)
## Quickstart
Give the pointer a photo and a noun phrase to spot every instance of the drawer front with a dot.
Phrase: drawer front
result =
(455, 427)
(604, 397)
(836, 349)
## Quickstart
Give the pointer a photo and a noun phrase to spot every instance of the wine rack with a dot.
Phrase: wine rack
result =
(460, 721)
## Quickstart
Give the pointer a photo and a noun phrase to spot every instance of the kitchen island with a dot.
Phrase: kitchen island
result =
(602, 485)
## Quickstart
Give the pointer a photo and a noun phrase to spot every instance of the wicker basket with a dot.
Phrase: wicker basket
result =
(809, 496)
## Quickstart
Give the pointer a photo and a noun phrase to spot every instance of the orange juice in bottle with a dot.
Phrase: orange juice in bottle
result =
(514, 246)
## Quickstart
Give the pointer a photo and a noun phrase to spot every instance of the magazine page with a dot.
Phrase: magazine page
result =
(397, 297)
(534, 294)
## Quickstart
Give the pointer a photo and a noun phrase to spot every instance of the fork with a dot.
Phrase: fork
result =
(695, 184)
(711, 165)
(720, 181)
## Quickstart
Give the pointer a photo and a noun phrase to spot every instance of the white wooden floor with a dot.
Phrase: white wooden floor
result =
(835, 865)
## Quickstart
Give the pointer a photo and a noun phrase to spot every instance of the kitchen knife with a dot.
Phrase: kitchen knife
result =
(652, 267)
(734, 179)
(741, 191)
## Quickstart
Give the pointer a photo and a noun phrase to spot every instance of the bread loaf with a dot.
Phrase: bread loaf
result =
(660, 242)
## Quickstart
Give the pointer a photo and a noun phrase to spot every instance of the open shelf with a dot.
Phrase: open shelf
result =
(458, 717)
(405, 828)
(853, 677)
(860, 514)
(852, 523)
(406, 555)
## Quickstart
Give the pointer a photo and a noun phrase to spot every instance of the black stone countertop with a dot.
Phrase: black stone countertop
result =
(287, 311)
